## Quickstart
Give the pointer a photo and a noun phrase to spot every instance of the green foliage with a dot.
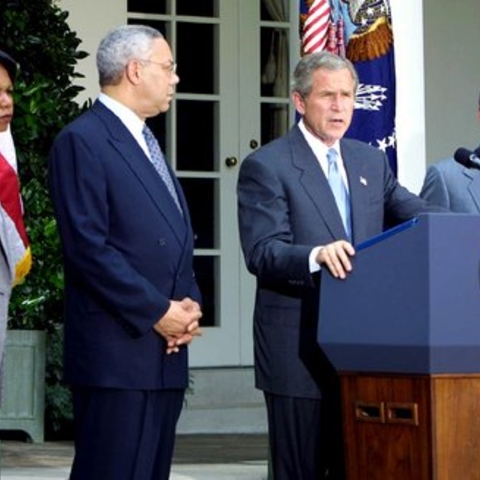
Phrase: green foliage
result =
(36, 34)
(57, 398)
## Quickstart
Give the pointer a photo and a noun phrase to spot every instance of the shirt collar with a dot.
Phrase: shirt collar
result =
(128, 117)
(318, 147)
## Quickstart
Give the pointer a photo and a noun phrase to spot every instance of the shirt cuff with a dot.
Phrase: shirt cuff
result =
(312, 260)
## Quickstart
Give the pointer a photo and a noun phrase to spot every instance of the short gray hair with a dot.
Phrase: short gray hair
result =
(309, 64)
(120, 46)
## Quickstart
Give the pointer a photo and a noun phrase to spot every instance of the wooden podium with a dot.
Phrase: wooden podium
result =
(403, 332)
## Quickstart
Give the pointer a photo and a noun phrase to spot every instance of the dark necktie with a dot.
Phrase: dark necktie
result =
(339, 190)
(158, 161)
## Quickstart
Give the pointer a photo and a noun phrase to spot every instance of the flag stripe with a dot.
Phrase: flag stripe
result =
(316, 40)
(315, 30)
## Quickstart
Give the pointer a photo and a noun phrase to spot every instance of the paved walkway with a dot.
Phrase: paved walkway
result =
(197, 457)
(182, 472)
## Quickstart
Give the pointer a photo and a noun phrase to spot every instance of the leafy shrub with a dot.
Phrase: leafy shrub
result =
(36, 34)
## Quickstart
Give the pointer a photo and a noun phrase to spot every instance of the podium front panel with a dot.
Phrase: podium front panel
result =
(411, 304)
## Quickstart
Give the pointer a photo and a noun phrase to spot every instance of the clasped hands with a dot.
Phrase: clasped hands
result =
(336, 257)
(180, 324)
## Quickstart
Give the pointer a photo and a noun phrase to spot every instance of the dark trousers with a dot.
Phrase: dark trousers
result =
(305, 439)
(124, 434)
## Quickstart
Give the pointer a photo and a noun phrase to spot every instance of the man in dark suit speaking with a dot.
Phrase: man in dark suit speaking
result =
(304, 200)
(132, 302)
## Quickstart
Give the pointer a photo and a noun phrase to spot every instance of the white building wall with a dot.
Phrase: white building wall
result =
(452, 75)
(91, 19)
(407, 19)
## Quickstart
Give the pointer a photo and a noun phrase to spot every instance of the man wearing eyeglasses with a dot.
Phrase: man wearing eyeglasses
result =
(132, 301)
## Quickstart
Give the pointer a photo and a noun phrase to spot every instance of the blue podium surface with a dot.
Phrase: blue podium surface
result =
(412, 302)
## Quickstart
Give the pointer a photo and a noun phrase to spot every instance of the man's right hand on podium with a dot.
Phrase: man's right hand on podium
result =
(336, 256)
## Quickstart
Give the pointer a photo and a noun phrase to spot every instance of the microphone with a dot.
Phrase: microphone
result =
(467, 158)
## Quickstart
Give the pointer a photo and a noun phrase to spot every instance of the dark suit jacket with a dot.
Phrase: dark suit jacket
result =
(286, 207)
(453, 186)
(127, 251)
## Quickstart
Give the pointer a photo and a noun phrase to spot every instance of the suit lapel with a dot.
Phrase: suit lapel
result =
(136, 160)
(315, 183)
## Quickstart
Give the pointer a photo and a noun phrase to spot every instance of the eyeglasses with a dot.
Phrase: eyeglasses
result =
(170, 67)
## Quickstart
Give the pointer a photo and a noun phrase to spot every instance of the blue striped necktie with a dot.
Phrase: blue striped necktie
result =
(158, 161)
(339, 190)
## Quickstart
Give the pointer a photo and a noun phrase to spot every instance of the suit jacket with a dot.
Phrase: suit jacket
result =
(453, 186)
(286, 208)
(127, 252)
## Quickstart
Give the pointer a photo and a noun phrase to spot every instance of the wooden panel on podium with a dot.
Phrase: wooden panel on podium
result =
(415, 427)
(456, 430)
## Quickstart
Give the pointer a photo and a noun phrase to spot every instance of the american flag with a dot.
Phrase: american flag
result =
(315, 29)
